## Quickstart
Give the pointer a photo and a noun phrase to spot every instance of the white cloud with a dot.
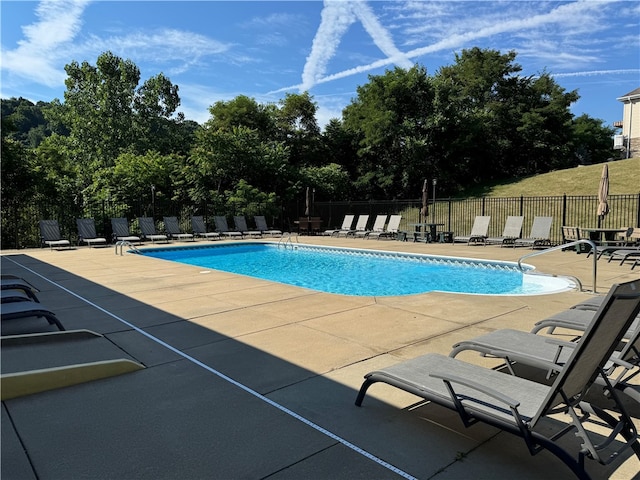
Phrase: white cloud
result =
(336, 18)
(35, 57)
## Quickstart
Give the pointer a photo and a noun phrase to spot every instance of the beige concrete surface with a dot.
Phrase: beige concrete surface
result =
(326, 343)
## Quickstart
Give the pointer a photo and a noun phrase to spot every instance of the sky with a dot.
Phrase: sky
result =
(217, 50)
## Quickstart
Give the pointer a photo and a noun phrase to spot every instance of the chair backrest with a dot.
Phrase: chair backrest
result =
(261, 222)
(541, 227)
(120, 227)
(240, 223)
(394, 223)
(347, 222)
(513, 227)
(171, 225)
(221, 223)
(361, 224)
(378, 225)
(480, 226)
(86, 228)
(197, 224)
(147, 226)
(614, 317)
(50, 230)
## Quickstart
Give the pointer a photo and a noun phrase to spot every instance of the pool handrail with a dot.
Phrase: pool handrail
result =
(563, 247)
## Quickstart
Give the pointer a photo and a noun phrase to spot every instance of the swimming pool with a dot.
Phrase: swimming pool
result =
(357, 272)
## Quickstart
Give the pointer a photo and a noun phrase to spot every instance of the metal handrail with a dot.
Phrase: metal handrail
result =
(123, 243)
(285, 239)
(564, 246)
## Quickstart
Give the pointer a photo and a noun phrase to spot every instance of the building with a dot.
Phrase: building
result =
(629, 139)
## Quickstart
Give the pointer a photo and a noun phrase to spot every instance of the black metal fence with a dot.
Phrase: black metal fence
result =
(20, 221)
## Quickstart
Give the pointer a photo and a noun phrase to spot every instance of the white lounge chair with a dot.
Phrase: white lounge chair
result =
(378, 226)
(540, 235)
(391, 231)
(361, 226)
(346, 226)
(512, 230)
(478, 231)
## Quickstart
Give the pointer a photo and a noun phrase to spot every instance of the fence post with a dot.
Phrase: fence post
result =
(564, 209)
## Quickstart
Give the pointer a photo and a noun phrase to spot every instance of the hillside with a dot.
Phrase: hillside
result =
(624, 178)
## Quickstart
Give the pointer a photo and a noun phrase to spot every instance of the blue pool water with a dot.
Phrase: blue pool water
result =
(362, 272)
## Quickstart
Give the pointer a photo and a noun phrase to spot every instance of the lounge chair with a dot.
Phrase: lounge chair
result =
(120, 227)
(378, 226)
(241, 225)
(15, 310)
(624, 254)
(16, 295)
(521, 406)
(478, 231)
(391, 231)
(261, 224)
(361, 226)
(346, 226)
(540, 235)
(173, 229)
(87, 232)
(200, 229)
(512, 230)
(11, 282)
(575, 319)
(149, 232)
(223, 229)
(50, 234)
(548, 355)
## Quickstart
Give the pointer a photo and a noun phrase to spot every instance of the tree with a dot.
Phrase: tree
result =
(591, 141)
(388, 119)
(298, 129)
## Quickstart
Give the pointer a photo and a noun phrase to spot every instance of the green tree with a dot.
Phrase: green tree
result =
(389, 119)
(591, 141)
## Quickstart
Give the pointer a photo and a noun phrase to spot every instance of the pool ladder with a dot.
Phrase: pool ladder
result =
(125, 243)
(564, 246)
(285, 240)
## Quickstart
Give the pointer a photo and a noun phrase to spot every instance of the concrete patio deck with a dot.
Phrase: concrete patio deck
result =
(247, 378)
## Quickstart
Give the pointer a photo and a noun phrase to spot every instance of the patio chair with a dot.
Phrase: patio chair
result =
(200, 229)
(223, 229)
(87, 232)
(624, 254)
(261, 224)
(173, 229)
(575, 319)
(241, 226)
(11, 282)
(540, 235)
(478, 231)
(512, 230)
(548, 355)
(391, 231)
(378, 226)
(149, 232)
(50, 234)
(521, 406)
(346, 226)
(18, 310)
(361, 226)
(120, 227)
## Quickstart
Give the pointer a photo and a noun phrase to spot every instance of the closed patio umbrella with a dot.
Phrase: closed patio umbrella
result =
(307, 211)
(603, 193)
(425, 209)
